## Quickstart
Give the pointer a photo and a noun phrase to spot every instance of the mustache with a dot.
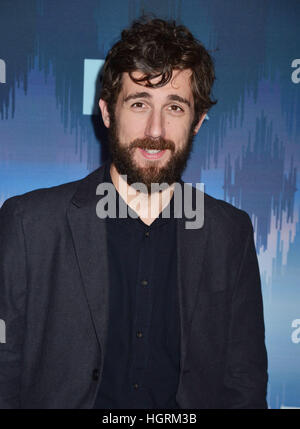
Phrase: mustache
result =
(154, 144)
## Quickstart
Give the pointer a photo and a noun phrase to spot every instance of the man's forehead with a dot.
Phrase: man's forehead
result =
(180, 81)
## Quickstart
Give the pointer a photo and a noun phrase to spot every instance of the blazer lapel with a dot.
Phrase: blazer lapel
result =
(191, 248)
(89, 237)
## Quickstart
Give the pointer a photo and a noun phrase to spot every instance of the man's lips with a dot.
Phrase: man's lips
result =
(148, 155)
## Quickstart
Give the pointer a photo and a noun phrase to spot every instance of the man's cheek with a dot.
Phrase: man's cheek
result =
(132, 130)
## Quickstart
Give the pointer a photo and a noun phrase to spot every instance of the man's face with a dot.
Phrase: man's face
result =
(151, 129)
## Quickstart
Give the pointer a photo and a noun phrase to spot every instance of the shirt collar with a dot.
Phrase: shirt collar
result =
(160, 220)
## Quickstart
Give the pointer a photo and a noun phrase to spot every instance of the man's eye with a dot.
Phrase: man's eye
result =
(138, 105)
(176, 108)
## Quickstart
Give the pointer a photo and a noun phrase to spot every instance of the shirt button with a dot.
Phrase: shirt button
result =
(147, 234)
(95, 374)
(139, 334)
(144, 282)
(136, 386)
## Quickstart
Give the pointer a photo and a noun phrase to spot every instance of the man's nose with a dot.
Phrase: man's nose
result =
(155, 125)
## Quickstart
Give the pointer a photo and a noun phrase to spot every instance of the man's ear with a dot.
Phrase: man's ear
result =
(104, 112)
(197, 127)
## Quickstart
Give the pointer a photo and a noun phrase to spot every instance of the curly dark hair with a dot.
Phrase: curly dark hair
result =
(156, 48)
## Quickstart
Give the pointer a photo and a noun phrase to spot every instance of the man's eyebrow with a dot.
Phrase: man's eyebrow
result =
(137, 95)
(171, 97)
(175, 97)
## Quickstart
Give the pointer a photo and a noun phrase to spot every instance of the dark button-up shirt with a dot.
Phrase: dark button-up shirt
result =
(141, 364)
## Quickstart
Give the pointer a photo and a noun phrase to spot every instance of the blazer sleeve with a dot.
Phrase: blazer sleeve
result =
(245, 381)
(12, 303)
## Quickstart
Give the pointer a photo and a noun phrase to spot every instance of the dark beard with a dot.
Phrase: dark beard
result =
(122, 159)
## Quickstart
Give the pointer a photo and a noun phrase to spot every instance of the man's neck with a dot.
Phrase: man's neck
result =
(147, 206)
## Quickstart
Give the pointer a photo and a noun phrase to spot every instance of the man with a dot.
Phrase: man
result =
(136, 311)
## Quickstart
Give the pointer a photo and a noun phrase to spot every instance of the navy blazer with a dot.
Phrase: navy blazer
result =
(54, 303)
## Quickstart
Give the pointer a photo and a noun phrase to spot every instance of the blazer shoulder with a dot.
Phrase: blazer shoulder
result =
(50, 200)
(228, 216)
(40, 199)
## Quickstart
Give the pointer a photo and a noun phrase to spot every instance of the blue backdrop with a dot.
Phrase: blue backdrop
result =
(247, 152)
